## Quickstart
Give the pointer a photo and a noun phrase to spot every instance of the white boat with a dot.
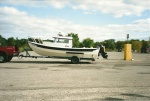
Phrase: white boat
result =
(61, 47)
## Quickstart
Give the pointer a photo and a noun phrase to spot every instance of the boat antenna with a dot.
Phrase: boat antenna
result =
(60, 34)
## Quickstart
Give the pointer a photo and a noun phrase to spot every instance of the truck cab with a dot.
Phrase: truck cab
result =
(7, 53)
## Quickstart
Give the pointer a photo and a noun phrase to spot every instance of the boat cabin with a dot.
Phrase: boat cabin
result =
(59, 41)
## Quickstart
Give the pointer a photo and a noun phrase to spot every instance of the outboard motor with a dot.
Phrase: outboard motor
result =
(104, 55)
(102, 52)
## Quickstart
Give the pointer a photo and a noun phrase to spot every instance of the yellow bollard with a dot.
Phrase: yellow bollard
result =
(127, 52)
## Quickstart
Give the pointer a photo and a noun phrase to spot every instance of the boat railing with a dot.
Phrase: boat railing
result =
(31, 39)
(37, 40)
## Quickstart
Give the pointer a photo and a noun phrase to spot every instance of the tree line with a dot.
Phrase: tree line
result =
(110, 44)
(20, 43)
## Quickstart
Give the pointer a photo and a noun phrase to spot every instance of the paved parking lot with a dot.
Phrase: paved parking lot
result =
(112, 79)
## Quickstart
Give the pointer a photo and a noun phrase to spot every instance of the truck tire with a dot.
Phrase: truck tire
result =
(2, 58)
(75, 60)
(9, 58)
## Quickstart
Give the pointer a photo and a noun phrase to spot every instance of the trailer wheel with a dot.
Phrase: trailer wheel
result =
(75, 60)
(2, 58)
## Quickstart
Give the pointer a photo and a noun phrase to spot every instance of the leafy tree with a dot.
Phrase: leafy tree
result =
(96, 44)
(2, 41)
(136, 45)
(23, 41)
(119, 45)
(144, 44)
(75, 39)
(81, 45)
(132, 40)
(18, 43)
(88, 42)
(127, 42)
(11, 41)
(110, 44)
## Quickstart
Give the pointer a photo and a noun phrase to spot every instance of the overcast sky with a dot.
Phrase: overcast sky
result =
(95, 19)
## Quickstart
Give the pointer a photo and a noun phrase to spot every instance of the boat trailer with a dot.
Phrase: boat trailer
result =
(74, 59)
(20, 56)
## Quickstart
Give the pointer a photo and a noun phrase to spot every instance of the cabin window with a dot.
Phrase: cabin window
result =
(37, 40)
(66, 41)
(40, 41)
(62, 40)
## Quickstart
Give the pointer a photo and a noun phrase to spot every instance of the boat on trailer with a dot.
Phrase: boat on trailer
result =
(61, 47)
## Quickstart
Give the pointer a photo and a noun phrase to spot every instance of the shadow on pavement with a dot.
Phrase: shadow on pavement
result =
(135, 95)
(49, 62)
(112, 99)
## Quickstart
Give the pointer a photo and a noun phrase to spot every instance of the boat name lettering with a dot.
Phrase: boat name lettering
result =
(66, 46)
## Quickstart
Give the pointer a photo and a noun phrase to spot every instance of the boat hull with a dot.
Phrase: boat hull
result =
(82, 53)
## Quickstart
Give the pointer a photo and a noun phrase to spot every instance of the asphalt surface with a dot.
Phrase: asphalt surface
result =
(112, 79)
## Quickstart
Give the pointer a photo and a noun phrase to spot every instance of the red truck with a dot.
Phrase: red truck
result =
(7, 53)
